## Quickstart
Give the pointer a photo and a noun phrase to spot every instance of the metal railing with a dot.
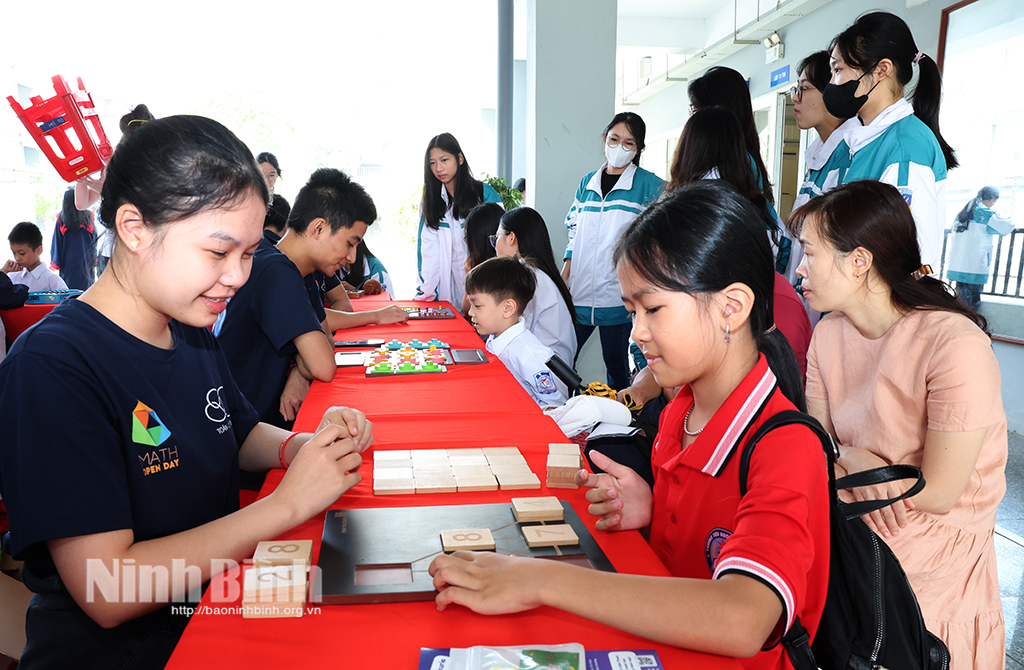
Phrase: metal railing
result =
(1007, 270)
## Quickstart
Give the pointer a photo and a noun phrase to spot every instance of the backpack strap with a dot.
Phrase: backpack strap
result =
(784, 418)
(889, 473)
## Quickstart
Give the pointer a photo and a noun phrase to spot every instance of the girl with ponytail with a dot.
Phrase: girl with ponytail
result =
(697, 263)
(971, 255)
(879, 75)
(903, 372)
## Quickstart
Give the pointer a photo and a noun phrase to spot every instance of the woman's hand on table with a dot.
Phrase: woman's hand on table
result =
(619, 496)
(890, 519)
(295, 389)
(360, 429)
(322, 471)
(486, 582)
(391, 314)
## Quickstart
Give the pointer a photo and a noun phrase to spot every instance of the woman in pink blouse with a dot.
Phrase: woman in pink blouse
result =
(900, 372)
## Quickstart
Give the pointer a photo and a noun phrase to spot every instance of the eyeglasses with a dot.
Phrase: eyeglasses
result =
(797, 92)
(630, 145)
(494, 241)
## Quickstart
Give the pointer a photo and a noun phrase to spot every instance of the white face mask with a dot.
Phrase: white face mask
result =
(618, 156)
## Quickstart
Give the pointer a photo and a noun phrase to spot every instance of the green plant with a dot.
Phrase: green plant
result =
(510, 197)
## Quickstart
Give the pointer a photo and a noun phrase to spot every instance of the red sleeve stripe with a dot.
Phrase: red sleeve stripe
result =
(739, 423)
(764, 575)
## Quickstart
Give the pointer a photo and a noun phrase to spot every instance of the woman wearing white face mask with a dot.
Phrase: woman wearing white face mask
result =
(606, 202)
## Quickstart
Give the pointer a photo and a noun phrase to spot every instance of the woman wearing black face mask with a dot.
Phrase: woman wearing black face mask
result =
(879, 75)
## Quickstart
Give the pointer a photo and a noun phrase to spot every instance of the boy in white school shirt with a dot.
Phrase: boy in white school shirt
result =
(499, 290)
(26, 268)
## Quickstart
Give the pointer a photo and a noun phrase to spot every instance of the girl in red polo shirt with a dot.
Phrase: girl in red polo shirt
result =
(696, 272)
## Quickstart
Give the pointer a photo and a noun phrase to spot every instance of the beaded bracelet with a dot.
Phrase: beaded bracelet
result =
(280, 453)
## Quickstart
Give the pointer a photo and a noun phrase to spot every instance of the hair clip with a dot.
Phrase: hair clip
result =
(138, 121)
(922, 271)
(772, 329)
(918, 57)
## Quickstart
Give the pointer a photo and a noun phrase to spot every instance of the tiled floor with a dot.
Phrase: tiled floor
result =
(1010, 554)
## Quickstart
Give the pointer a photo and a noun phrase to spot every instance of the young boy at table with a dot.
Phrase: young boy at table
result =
(499, 290)
(272, 331)
(26, 268)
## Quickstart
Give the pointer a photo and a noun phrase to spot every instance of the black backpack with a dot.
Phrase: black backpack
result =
(871, 616)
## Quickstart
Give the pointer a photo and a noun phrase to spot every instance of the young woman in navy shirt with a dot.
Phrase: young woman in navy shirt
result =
(141, 467)
(711, 278)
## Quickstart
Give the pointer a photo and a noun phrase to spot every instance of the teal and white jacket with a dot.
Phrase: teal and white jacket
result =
(970, 257)
(441, 255)
(899, 149)
(826, 163)
(595, 224)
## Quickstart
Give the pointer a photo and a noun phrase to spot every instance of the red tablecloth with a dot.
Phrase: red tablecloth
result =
(479, 405)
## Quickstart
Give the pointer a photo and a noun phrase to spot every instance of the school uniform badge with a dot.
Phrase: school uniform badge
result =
(713, 546)
(908, 195)
(545, 382)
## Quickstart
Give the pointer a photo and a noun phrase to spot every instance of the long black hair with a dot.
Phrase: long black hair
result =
(70, 217)
(637, 128)
(701, 238)
(875, 216)
(727, 88)
(357, 272)
(482, 222)
(177, 166)
(879, 35)
(468, 191)
(712, 139)
(535, 246)
(966, 215)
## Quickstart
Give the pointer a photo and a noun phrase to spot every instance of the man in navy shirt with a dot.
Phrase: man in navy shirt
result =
(271, 323)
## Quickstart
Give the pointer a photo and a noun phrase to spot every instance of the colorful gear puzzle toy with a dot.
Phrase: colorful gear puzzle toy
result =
(428, 312)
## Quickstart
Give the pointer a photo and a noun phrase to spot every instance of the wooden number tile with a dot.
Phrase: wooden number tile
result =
(550, 536)
(502, 451)
(476, 483)
(472, 470)
(474, 539)
(283, 552)
(518, 482)
(392, 473)
(274, 584)
(429, 454)
(394, 487)
(436, 484)
(465, 452)
(467, 460)
(561, 471)
(392, 464)
(540, 508)
(391, 455)
(566, 450)
(511, 469)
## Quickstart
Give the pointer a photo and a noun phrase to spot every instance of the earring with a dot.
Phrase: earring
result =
(728, 337)
(858, 279)
(134, 244)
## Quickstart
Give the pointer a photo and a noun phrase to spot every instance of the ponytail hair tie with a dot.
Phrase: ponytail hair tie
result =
(772, 329)
(918, 57)
(922, 271)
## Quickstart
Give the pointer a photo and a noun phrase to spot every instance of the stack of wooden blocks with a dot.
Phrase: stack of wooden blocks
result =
(564, 461)
(451, 470)
(276, 584)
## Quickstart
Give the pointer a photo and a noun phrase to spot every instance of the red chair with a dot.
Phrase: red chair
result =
(17, 321)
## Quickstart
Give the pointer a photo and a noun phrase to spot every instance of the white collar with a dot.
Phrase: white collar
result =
(497, 343)
(860, 137)
(38, 272)
(625, 181)
(819, 152)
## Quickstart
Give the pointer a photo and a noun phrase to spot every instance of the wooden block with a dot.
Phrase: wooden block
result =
(472, 471)
(474, 539)
(501, 451)
(274, 584)
(387, 464)
(467, 460)
(500, 459)
(550, 536)
(485, 483)
(561, 471)
(283, 552)
(559, 485)
(392, 473)
(272, 610)
(465, 452)
(511, 469)
(432, 471)
(568, 461)
(436, 485)
(391, 487)
(567, 450)
(426, 454)
(518, 482)
(391, 455)
(540, 508)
